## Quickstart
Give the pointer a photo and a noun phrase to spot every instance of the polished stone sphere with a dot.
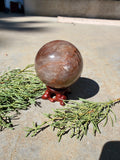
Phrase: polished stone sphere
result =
(58, 64)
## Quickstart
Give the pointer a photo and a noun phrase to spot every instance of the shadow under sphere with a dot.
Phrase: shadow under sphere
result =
(83, 88)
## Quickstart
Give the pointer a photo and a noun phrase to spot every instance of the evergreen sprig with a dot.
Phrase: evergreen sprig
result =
(76, 118)
(18, 90)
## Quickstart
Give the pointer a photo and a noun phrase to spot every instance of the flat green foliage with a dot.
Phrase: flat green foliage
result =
(18, 90)
(75, 118)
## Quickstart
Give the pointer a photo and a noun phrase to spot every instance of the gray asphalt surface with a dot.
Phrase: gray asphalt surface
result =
(20, 39)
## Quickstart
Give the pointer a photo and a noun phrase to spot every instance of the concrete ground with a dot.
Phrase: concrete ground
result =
(20, 39)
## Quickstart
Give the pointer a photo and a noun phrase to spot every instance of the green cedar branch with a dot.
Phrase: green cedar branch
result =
(76, 117)
(18, 90)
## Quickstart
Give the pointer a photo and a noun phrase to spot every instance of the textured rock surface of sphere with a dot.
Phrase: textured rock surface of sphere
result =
(58, 64)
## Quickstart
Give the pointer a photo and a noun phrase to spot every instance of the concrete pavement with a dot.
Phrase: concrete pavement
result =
(20, 39)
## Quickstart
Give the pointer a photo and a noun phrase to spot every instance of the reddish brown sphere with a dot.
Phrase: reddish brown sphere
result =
(58, 64)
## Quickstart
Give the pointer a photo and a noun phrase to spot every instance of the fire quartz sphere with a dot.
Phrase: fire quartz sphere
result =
(58, 64)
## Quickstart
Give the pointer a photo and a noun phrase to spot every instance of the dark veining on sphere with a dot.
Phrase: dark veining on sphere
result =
(58, 64)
